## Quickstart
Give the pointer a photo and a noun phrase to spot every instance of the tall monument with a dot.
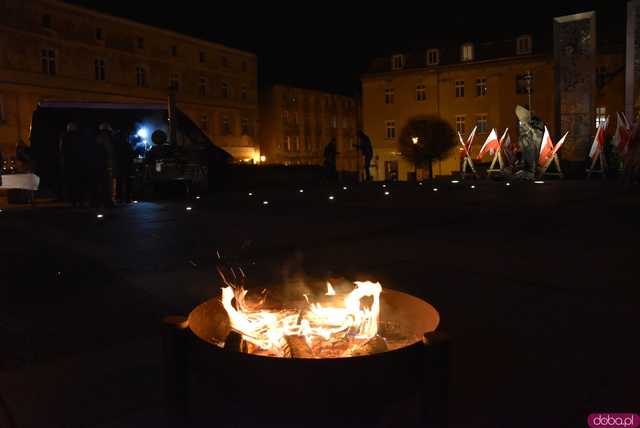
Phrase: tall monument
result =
(574, 45)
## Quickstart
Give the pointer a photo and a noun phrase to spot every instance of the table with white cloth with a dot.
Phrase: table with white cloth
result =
(20, 181)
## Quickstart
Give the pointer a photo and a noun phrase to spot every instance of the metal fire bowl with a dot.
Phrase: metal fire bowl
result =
(310, 384)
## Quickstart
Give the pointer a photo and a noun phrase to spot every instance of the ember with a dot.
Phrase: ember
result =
(341, 325)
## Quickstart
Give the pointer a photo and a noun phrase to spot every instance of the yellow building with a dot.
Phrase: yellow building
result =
(469, 85)
(296, 124)
(50, 50)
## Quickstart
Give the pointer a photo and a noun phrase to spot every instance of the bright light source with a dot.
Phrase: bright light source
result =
(472, 187)
(265, 202)
(344, 188)
(435, 189)
(539, 182)
(263, 158)
(135, 202)
(99, 216)
(143, 133)
(386, 193)
(415, 140)
(331, 198)
(301, 190)
(384, 185)
(420, 184)
(197, 197)
(250, 194)
(508, 184)
(455, 181)
(189, 208)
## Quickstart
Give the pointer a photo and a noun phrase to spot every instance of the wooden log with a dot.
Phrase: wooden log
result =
(297, 347)
(235, 342)
(375, 345)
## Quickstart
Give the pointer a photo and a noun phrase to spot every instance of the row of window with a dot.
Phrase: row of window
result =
(225, 125)
(523, 86)
(293, 144)
(481, 123)
(292, 120)
(49, 67)
(140, 44)
(329, 100)
(467, 53)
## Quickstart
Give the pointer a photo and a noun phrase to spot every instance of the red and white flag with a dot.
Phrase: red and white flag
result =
(546, 149)
(491, 145)
(598, 141)
(623, 134)
(509, 150)
(466, 147)
(560, 143)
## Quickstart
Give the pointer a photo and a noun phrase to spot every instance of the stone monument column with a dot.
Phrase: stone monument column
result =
(575, 83)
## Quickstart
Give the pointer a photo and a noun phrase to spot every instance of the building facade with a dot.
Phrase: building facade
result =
(296, 124)
(468, 85)
(50, 50)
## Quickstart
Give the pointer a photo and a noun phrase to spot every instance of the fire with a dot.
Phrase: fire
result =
(338, 327)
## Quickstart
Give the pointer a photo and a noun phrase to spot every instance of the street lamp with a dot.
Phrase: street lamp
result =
(415, 140)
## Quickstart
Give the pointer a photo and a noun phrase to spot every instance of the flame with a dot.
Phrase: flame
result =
(330, 290)
(347, 318)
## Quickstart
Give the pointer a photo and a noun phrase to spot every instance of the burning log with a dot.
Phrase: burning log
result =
(374, 345)
(297, 347)
(235, 342)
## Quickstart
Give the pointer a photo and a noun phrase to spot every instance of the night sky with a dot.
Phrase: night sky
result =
(327, 45)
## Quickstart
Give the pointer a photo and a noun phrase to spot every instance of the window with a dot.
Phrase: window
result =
(226, 125)
(397, 62)
(523, 45)
(433, 57)
(459, 88)
(204, 123)
(48, 60)
(481, 87)
(244, 66)
(244, 126)
(46, 21)
(202, 57)
(174, 50)
(175, 82)
(466, 52)
(391, 129)
(287, 143)
(334, 122)
(140, 43)
(243, 93)
(100, 69)
(601, 116)
(388, 96)
(481, 122)
(285, 117)
(524, 83)
(141, 77)
(204, 86)
(296, 144)
(225, 90)
(460, 119)
(99, 35)
(421, 92)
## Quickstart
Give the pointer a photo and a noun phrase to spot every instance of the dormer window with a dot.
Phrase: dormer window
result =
(466, 52)
(523, 45)
(397, 62)
(433, 57)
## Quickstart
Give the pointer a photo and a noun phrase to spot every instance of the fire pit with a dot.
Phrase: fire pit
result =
(342, 357)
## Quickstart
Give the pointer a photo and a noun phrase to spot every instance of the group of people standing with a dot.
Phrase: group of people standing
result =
(96, 171)
(364, 146)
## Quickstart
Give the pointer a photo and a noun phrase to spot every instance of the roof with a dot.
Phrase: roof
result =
(101, 105)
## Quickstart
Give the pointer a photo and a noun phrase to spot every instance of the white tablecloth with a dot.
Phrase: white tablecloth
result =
(20, 181)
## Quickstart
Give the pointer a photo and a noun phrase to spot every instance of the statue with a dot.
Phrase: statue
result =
(530, 132)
